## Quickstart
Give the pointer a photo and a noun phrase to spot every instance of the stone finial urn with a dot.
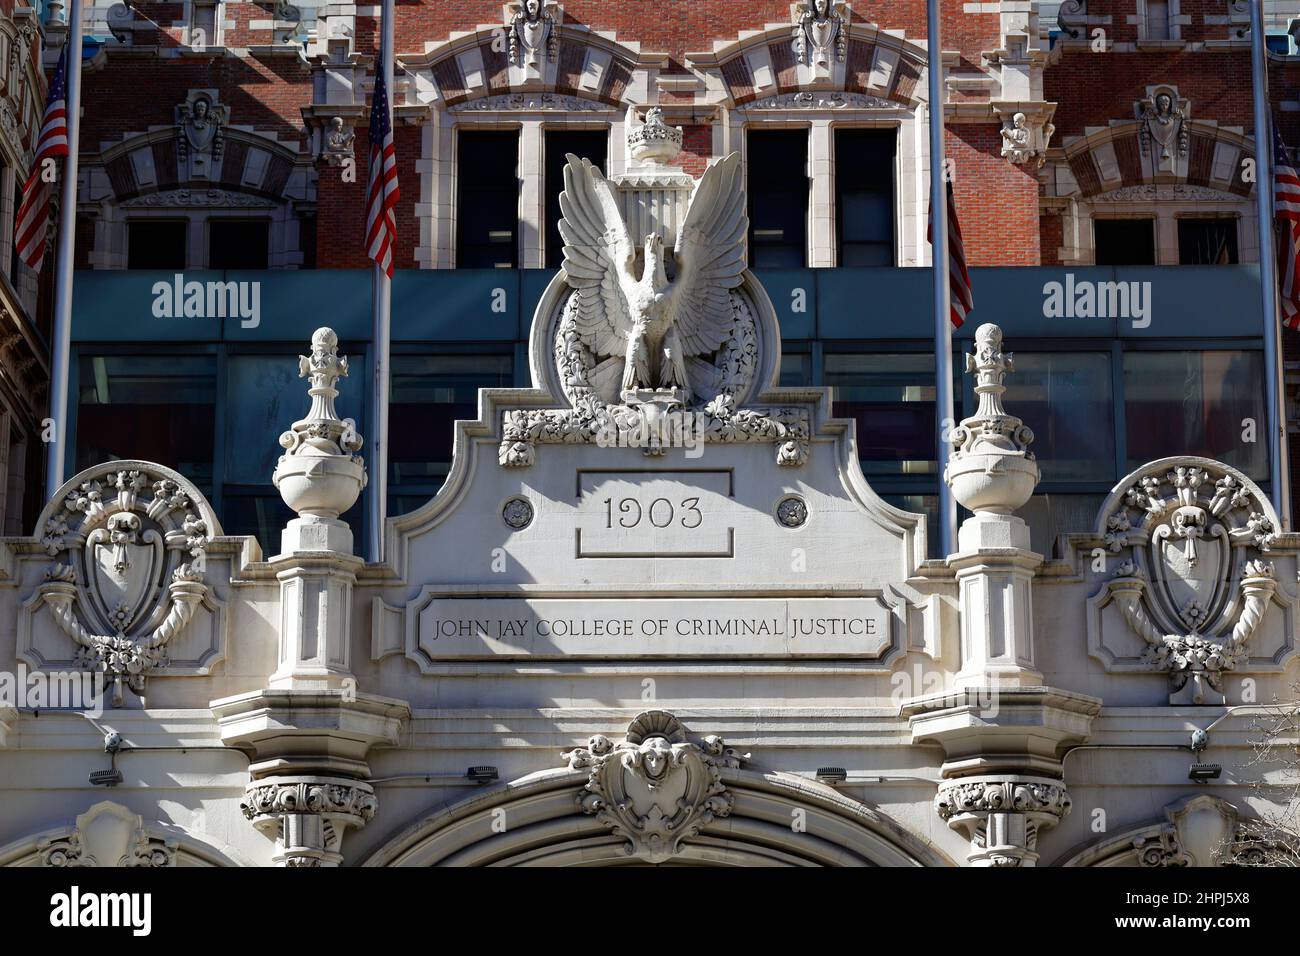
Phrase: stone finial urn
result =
(652, 141)
(991, 469)
(318, 476)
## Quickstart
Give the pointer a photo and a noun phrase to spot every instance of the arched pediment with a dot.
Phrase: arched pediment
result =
(657, 798)
(110, 835)
(1116, 157)
(860, 60)
(565, 58)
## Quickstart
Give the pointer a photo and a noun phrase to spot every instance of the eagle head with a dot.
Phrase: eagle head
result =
(654, 263)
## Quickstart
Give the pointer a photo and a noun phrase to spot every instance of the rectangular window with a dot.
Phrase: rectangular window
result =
(429, 393)
(153, 407)
(1124, 242)
(864, 196)
(892, 398)
(1207, 242)
(1065, 398)
(1196, 403)
(156, 244)
(777, 161)
(1157, 19)
(203, 25)
(796, 370)
(238, 244)
(589, 144)
(487, 204)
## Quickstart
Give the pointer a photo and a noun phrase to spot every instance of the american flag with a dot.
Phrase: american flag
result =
(959, 294)
(32, 222)
(1286, 210)
(381, 201)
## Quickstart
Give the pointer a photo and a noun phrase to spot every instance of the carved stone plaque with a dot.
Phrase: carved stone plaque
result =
(450, 628)
(666, 514)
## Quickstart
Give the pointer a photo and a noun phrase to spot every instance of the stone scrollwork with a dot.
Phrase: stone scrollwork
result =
(128, 575)
(1002, 815)
(107, 835)
(1193, 578)
(655, 788)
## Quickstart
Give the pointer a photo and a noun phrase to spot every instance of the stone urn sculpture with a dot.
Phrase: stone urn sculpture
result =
(318, 476)
(991, 469)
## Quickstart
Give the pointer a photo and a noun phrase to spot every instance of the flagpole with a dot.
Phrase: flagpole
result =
(944, 415)
(380, 340)
(55, 450)
(1278, 477)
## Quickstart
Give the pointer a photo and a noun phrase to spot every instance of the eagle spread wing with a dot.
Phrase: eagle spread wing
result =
(710, 255)
(598, 257)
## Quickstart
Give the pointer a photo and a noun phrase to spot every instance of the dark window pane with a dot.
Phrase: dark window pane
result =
(892, 398)
(264, 396)
(864, 196)
(1125, 242)
(1052, 515)
(429, 392)
(156, 244)
(1207, 242)
(796, 369)
(487, 206)
(778, 198)
(150, 407)
(927, 505)
(1065, 398)
(265, 515)
(589, 144)
(238, 243)
(1196, 403)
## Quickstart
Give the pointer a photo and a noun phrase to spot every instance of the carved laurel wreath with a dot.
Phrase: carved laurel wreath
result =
(119, 511)
(1212, 521)
(592, 416)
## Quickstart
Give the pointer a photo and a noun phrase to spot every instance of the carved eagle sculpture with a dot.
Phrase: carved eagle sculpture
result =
(654, 324)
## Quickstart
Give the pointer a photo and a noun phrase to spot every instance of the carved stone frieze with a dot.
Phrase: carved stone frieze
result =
(822, 100)
(199, 198)
(1146, 192)
(531, 102)
(128, 575)
(655, 788)
(1191, 574)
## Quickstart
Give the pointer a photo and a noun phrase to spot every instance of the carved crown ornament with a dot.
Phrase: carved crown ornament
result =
(655, 788)
(1191, 548)
(648, 361)
(129, 542)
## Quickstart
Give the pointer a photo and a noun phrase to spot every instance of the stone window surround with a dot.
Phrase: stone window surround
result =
(110, 247)
(438, 218)
(1078, 249)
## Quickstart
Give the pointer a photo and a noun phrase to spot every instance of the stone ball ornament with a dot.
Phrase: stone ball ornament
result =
(991, 469)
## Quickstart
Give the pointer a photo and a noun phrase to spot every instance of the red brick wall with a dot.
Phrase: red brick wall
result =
(997, 202)
(1051, 236)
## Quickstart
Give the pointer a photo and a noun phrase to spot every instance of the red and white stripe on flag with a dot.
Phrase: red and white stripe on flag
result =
(1286, 210)
(32, 222)
(382, 194)
(959, 291)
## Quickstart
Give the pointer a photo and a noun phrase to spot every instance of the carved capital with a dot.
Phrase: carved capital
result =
(307, 816)
(1002, 815)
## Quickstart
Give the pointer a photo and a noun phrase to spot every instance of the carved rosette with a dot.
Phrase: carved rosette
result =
(1192, 580)
(598, 417)
(129, 550)
(308, 816)
(655, 788)
(1002, 815)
